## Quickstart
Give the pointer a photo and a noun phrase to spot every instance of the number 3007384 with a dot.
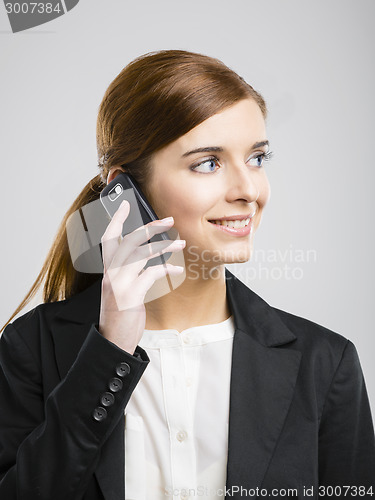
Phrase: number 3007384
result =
(32, 8)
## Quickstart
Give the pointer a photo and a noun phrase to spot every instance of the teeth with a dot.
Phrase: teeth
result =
(233, 223)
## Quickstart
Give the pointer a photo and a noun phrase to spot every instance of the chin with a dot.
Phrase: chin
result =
(237, 256)
(239, 260)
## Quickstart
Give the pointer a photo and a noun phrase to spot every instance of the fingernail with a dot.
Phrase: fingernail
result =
(175, 268)
(167, 219)
(178, 269)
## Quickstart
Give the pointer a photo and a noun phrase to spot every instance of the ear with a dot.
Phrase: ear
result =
(113, 172)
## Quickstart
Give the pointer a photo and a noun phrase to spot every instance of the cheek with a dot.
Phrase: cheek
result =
(264, 192)
(183, 201)
(164, 197)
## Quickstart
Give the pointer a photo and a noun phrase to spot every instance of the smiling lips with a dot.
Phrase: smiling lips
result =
(232, 221)
(236, 225)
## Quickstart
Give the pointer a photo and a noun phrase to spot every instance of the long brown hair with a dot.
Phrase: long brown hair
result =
(154, 100)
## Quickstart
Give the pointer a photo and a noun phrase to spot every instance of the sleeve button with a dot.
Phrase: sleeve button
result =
(99, 414)
(107, 399)
(122, 369)
(115, 384)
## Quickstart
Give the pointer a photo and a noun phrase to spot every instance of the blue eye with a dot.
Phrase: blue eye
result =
(259, 158)
(210, 161)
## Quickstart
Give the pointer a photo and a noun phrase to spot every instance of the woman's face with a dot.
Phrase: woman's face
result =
(199, 187)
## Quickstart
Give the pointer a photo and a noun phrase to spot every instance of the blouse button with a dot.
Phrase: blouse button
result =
(184, 495)
(186, 339)
(188, 381)
(181, 436)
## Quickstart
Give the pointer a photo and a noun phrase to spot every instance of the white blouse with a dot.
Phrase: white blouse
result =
(176, 421)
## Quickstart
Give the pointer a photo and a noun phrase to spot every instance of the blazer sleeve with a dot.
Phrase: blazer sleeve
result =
(346, 433)
(49, 450)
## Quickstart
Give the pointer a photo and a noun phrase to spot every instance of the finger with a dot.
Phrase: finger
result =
(110, 239)
(144, 233)
(130, 268)
(124, 257)
(152, 273)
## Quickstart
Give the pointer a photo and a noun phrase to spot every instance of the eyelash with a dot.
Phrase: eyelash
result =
(265, 156)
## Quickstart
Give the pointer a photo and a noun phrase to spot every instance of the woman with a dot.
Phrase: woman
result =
(223, 394)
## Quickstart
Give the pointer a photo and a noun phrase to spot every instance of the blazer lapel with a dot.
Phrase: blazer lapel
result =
(263, 379)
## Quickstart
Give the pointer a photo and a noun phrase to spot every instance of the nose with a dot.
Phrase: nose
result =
(242, 184)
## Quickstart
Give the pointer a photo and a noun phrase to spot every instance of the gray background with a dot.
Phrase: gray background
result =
(313, 63)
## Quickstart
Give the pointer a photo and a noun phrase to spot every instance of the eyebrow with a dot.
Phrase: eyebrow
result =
(207, 149)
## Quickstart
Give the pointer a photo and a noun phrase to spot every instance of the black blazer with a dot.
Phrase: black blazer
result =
(299, 412)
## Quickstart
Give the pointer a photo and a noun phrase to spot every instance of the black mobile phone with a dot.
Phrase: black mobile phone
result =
(125, 187)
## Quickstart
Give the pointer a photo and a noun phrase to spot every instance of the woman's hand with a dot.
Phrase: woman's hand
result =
(122, 311)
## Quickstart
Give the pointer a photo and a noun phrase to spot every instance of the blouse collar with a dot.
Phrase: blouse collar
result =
(193, 336)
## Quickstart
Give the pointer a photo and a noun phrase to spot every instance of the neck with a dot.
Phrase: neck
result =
(197, 301)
